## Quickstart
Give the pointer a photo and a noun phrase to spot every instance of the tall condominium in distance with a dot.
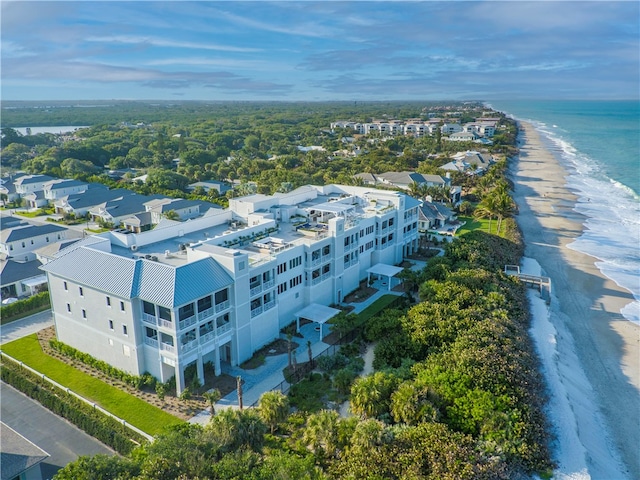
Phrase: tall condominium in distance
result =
(219, 287)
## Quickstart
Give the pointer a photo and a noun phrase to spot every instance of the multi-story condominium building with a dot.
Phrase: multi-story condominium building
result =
(218, 287)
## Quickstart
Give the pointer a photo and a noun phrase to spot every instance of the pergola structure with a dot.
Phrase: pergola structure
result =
(317, 313)
(383, 270)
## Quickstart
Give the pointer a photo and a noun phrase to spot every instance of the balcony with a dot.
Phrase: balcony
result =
(223, 328)
(207, 337)
(203, 315)
(256, 311)
(150, 319)
(165, 323)
(153, 342)
(222, 306)
(255, 290)
(269, 305)
(167, 348)
(187, 322)
(187, 347)
(316, 261)
(268, 284)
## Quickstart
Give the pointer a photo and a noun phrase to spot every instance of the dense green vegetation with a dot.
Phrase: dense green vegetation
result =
(22, 308)
(456, 393)
(245, 142)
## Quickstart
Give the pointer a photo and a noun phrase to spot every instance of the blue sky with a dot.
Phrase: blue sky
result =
(454, 50)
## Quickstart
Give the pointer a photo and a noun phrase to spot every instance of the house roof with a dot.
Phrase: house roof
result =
(209, 184)
(410, 202)
(38, 195)
(18, 453)
(163, 284)
(12, 271)
(95, 197)
(50, 250)
(28, 179)
(139, 219)
(21, 232)
(128, 205)
(11, 221)
(63, 183)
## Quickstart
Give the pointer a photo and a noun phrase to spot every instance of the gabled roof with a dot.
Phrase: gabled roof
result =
(173, 286)
(139, 219)
(97, 269)
(11, 221)
(95, 197)
(18, 454)
(410, 202)
(432, 211)
(28, 231)
(50, 251)
(63, 183)
(156, 282)
(28, 179)
(37, 195)
(12, 271)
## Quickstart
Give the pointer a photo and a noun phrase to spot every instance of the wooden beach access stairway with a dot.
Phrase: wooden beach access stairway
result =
(543, 284)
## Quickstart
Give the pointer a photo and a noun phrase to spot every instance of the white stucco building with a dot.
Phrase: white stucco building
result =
(219, 287)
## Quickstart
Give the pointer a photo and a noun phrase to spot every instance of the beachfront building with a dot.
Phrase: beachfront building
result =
(218, 287)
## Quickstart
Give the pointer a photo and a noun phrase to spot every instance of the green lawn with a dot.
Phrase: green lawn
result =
(475, 224)
(376, 307)
(137, 412)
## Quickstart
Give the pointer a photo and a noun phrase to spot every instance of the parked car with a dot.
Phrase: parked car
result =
(8, 301)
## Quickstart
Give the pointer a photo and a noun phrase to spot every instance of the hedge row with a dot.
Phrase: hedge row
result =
(27, 305)
(136, 381)
(95, 423)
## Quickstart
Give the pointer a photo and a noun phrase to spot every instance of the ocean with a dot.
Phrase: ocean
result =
(598, 142)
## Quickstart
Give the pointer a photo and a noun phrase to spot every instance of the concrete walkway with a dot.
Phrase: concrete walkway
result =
(269, 376)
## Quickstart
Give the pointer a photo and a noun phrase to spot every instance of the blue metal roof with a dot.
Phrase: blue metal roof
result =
(20, 233)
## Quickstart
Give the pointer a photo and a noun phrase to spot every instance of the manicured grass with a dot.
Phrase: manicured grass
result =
(376, 307)
(476, 224)
(137, 412)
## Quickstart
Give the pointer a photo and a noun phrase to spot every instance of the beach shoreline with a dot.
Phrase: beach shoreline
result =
(588, 304)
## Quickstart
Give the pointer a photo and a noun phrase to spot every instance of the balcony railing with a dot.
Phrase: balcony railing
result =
(255, 290)
(151, 319)
(269, 305)
(165, 323)
(151, 341)
(167, 348)
(223, 328)
(207, 337)
(256, 311)
(204, 314)
(187, 347)
(222, 306)
(316, 261)
(268, 284)
(187, 322)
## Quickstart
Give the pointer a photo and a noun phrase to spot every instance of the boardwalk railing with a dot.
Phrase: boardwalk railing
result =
(543, 284)
(79, 397)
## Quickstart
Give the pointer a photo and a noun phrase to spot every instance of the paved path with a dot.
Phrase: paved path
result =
(63, 441)
(269, 376)
(25, 326)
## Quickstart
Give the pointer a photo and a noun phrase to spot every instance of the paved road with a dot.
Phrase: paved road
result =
(25, 326)
(63, 441)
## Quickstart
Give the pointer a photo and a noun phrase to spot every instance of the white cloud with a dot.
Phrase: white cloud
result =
(161, 42)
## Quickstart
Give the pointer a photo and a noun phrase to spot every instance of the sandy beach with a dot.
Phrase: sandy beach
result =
(588, 304)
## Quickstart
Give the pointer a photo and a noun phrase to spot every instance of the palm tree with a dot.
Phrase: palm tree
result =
(273, 408)
(212, 397)
(504, 206)
(321, 433)
(486, 208)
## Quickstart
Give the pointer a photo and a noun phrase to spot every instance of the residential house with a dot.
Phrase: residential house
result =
(79, 204)
(31, 183)
(119, 209)
(21, 240)
(59, 188)
(433, 216)
(20, 279)
(8, 187)
(208, 185)
(221, 286)
(35, 199)
(462, 137)
(20, 458)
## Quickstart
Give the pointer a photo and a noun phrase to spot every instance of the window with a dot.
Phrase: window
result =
(122, 306)
(124, 330)
(84, 313)
(186, 312)
(282, 288)
(108, 301)
(241, 265)
(282, 268)
(110, 324)
(222, 296)
(23, 245)
(47, 239)
(148, 308)
(204, 303)
(32, 241)
(10, 247)
(69, 307)
(294, 262)
(81, 291)
(66, 288)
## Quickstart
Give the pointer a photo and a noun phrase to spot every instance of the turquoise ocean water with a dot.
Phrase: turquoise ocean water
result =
(599, 144)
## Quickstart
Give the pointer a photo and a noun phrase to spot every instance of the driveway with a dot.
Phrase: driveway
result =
(63, 441)
(25, 326)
